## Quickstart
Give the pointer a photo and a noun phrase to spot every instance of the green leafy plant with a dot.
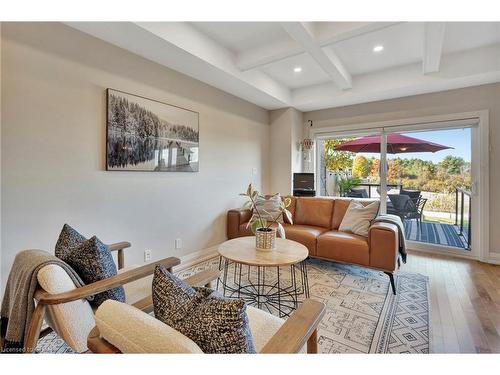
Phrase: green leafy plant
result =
(346, 184)
(336, 161)
(257, 222)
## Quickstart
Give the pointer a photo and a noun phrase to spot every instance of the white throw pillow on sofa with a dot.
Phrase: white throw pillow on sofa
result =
(269, 207)
(358, 218)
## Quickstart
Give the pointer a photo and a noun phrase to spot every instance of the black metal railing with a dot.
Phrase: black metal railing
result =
(462, 208)
(377, 188)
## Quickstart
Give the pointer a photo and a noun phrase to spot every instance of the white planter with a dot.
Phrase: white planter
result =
(265, 239)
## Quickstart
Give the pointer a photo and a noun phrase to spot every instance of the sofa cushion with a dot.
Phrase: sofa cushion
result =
(216, 324)
(93, 262)
(304, 234)
(263, 326)
(269, 208)
(358, 218)
(344, 247)
(339, 209)
(68, 239)
(72, 321)
(245, 230)
(133, 331)
(314, 211)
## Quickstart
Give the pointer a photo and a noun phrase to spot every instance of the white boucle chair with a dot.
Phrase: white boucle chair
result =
(67, 312)
(121, 328)
(128, 327)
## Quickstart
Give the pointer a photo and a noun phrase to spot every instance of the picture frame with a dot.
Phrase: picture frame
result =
(147, 135)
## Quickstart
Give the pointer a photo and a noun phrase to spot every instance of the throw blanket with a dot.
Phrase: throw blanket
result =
(18, 303)
(396, 220)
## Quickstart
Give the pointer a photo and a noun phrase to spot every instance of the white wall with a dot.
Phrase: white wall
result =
(297, 137)
(53, 149)
(285, 157)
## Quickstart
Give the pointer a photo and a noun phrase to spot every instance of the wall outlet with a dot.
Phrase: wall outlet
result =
(254, 171)
(147, 255)
(178, 243)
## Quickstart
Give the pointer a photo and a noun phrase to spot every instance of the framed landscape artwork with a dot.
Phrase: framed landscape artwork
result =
(147, 135)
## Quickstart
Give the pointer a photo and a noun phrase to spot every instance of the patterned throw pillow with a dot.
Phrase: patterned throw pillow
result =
(269, 208)
(93, 261)
(68, 239)
(216, 324)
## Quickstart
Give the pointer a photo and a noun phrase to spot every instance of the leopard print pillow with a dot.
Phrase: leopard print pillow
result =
(218, 325)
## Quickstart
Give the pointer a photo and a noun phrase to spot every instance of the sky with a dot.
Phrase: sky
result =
(459, 139)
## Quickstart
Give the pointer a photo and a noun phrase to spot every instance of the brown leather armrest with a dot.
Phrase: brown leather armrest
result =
(235, 218)
(383, 241)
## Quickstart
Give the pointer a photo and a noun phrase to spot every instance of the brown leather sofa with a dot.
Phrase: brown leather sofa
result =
(315, 225)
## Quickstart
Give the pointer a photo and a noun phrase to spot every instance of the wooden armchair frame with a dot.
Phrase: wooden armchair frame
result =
(43, 298)
(298, 330)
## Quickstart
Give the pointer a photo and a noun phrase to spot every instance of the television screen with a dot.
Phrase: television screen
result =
(303, 181)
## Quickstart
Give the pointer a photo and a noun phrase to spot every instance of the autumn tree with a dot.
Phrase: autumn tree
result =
(360, 167)
(337, 161)
(394, 172)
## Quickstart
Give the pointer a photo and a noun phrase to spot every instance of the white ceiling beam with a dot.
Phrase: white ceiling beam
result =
(460, 69)
(326, 34)
(329, 62)
(433, 46)
(183, 48)
(266, 54)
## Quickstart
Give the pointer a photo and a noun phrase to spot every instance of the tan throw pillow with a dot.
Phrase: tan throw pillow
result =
(269, 208)
(358, 218)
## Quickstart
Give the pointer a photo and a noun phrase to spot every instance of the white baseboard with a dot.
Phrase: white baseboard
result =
(494, 258)
(439, 250)
(200, 256)
(196, 257)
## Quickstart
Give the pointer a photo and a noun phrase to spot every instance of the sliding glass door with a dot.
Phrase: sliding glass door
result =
(347, 172)
(422, 173)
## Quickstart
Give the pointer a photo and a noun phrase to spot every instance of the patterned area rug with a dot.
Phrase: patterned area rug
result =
(363, 316)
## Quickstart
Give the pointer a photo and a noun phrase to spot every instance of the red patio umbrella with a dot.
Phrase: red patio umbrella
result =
(396, 144)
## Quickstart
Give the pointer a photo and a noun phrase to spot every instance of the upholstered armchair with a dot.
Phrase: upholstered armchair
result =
(65, 309)
(122, 328)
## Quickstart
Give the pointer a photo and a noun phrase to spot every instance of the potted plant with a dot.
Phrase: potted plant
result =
(346, 184)
(265, 235)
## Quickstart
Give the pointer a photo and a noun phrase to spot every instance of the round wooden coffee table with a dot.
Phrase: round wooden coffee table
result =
(244, 271)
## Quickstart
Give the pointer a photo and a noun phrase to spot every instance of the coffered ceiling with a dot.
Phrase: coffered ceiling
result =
(314, 65)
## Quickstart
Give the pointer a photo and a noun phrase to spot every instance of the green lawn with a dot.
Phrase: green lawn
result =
(443, 220)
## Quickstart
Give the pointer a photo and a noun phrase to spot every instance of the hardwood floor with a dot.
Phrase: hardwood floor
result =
(465, 303)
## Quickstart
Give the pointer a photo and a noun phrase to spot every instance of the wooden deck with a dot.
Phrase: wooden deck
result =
(434, 233)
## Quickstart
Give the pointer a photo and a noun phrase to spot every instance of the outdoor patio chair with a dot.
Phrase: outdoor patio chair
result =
(357, 193)
(413, 194)
(417, 209)
(400, 205)
(406, 208)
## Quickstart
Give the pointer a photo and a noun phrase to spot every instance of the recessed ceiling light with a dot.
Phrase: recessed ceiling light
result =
(378, 48)
(297, 69)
